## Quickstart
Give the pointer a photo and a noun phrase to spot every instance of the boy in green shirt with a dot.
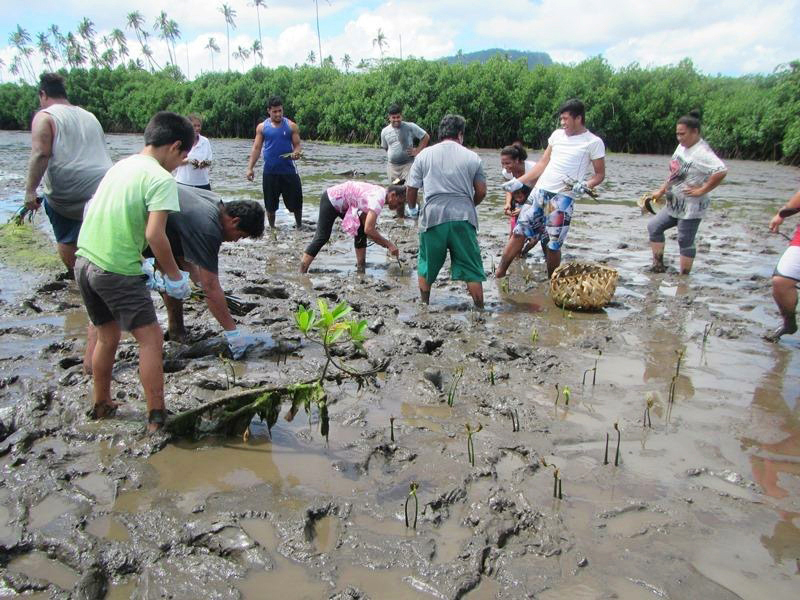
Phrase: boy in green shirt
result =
(128, 212)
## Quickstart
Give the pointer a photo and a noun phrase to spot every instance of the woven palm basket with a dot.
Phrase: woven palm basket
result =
(583, 286)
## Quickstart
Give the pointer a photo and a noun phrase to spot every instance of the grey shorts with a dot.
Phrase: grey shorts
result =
(394, 171)
(113, 297)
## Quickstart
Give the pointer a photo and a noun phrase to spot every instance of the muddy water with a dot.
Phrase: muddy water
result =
(705, 503)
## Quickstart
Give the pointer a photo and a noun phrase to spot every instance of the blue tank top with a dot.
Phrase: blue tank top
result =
(277, 141)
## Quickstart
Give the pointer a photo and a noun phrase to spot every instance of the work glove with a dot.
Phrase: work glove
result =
(155, 281)
(412, 213)
(237, 343)
(512, 185)
(580, 188)
(179, 289)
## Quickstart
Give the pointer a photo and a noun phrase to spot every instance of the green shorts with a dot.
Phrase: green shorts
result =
(465, 255)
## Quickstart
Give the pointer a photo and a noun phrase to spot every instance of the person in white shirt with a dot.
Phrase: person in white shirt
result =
(195, 169)
(560, 175)
(694, 171)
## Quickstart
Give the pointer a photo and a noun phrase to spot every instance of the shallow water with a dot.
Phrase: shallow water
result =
(715, 483)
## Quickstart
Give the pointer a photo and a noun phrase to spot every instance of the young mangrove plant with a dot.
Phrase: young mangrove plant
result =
(605, 459)
(512, 412)
(534, 335)
(227, 367)
(470, 445)
(678, 364)
(672, 386)
(707, 332)
(391, 427)
(556, 479)
(619, 438)
(567, 393)
(491, 373)
(451, 392)
(413, 487)
(593, 370)
(558, 394)
(504, 285)
(648, 404)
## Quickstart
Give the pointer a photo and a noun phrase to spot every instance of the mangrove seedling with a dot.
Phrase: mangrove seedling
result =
(619, 438)
(391, 427)
(451, 392)
(678, 365)
(514, 419)
(707, 332)
(227, 366)
(672, 386)
(558, 394)
(605, 459)
(648, 404)
(593, 370)
(534, 335)
(470, 445)
(555, 482)
(491, 373)
(504, 285)
(567, 394)
(413, 487)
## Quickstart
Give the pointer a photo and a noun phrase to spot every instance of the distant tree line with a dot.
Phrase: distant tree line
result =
(633, 109)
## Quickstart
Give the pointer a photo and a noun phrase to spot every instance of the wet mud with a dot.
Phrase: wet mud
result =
(704, 503)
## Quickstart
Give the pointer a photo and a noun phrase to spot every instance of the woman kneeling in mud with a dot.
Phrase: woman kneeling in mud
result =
(358, 204)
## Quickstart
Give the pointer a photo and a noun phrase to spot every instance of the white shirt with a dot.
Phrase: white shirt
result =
(571, 159)
(187, 174)
(529, 164)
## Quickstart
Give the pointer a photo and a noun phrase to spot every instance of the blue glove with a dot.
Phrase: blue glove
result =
(512, 185)
(580, 188)
(237, 343)
(412, 213)
(155, 281)
(178, 289)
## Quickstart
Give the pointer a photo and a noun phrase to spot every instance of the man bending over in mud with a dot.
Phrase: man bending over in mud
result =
(128, 212)
(787, 273)
(195, 235)
(560, 177)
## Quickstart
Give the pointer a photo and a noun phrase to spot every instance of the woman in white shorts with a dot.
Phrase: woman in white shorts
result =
(787, 273)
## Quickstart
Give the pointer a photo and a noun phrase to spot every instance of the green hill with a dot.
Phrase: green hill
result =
(481, 56)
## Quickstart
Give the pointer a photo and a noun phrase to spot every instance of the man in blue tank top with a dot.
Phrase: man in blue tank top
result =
(278, 141)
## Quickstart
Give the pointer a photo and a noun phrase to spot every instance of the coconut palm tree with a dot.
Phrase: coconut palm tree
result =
(109, 57)
(45, 49)
(59, 43)
(319, 38)
(241, 54)
(256, 49)
(257, 4)
(76, 56)
(162, 27)
(229, 15)
(148, 54)
(87, 32)
(20, 40)
(311, 58)
(173, 33)
(212, 47)
(380, 41)
(118, 38)
(347, 62)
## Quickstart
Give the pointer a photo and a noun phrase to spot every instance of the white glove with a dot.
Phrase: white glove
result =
(155, 281)
(512, 185)
(580, 188)
(237, 342)
(178, 289)
(412, 213)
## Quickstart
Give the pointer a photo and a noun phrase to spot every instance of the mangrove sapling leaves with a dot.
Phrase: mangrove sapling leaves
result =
(413, 487)
(306, 319)
(567, 393)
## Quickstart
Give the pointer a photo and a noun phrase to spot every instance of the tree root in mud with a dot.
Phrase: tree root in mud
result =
(231, 414)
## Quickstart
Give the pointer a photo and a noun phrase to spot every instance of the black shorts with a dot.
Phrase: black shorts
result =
(286, 185)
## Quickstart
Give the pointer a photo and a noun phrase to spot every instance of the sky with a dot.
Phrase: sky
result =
(732, 37)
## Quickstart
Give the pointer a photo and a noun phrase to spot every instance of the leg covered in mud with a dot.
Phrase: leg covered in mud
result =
(784, 291)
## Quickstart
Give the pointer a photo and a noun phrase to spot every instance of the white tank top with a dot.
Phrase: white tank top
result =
(79, 159)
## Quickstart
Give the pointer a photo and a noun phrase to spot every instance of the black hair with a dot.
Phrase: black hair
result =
(274, 101)
(451, 126)
(575, 108)
(195, 117)
(250, 214)
(515, 151)
(52, 84)
(691, 120)
(398, 189)
(395, 109)
(166, 128)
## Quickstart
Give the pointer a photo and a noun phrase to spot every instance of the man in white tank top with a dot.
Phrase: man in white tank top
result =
(69, 157)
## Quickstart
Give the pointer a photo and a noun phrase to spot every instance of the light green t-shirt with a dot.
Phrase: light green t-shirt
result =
(113, 231)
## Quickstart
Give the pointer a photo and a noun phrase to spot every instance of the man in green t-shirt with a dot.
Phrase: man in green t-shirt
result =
(128, 212)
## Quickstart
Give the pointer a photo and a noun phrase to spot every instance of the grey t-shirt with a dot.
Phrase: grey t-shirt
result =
(447, 172)
(197, 228)
(397, 140)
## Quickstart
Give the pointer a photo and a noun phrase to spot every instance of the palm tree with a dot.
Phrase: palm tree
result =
(257, 4)
(347, 62)
(212, 47)
(20, 40)
(109, 57)
(241, 54)
(86, 31)
(13, 68)
(162, 26)
(311, 58)
(118, 38)
(329, 62)
(380, 41)
(148, 54)
(229, 15)
(256, 49)
(76, 57)
(319, 39)
(45, 48)
(2, 66)
(60, 42)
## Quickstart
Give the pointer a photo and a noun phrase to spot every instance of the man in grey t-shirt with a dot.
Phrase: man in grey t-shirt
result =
(454, 184)
(397, 138)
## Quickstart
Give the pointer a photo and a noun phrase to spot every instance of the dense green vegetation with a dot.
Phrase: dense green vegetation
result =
(482, 56)
(633, 109)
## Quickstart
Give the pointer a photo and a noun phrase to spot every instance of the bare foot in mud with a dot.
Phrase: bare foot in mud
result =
(176, 336)
(156, 419)
(658, 267)
(106, 410)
